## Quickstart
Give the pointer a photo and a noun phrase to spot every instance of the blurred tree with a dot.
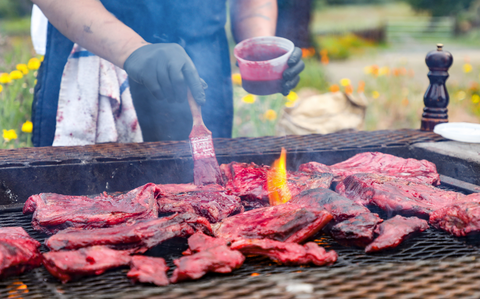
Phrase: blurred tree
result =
(439, 8)
(15, 8)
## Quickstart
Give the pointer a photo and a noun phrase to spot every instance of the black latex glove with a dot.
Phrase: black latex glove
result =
(291, 74)
(166, 71)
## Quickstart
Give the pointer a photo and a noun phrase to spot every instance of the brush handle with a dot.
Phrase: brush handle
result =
(196, 110)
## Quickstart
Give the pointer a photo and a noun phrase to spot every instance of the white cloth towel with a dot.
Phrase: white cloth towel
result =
(95, 104)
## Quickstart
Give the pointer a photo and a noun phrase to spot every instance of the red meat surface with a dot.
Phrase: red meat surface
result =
(69, 265)
(459, 219)
(339, 206)
(18, 251)
(148, 270)
(249, 181)
(286, 252)
(397, 196)
(137, 237)
(286, 223)
(174, 189)
(418, 171)
(219, 259)
(214, 206)
(393, 231)
(200, 242)
(357, 231)
(53, 212)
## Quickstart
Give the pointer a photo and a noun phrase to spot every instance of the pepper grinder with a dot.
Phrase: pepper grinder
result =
(436, 97)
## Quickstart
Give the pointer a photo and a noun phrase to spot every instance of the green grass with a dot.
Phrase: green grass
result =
(15, 27)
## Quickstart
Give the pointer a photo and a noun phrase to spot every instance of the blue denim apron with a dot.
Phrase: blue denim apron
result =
(197, 25)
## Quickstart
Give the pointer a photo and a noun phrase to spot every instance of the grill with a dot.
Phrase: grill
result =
(430, 265)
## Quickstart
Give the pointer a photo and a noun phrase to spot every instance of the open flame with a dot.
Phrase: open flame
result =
(278, 192)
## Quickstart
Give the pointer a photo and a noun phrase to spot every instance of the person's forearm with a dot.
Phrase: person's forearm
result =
(89, 24)
(251, 18)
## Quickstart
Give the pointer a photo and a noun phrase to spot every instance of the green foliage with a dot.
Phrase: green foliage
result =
(15, 8)
(439, 8)
(342, 46)
(313, 76)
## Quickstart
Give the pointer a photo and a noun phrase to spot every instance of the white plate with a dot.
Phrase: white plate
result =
(464, 132)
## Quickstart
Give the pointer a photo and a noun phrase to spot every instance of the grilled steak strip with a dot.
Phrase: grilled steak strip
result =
(53, 212)
(286, 223)
(214, 206)
(459, 219)
(418, 171)
(148, 270)
(18, 251)
(137, 237)
(357, 231)
(200, 242)
(286, 252)
(397, 196)
(219, 259)
(393, 231)
(68, 265)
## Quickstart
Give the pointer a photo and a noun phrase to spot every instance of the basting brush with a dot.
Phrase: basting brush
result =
(205, 166)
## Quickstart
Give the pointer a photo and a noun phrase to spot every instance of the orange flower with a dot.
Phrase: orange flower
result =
(405, 102)
(403, 71)
(473, 86)
(308, 52)
(395, 72)
(349, 89)
(324, 60)
(374, 70)
(361, 86)
(323, 52)
(334, 88)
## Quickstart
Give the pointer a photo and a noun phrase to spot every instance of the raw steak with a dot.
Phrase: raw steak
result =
(394, 230)
(357, 231)
(68, 265)
(18, 251)
(137, 237)
(286, 252)
(459, 219)
(214, 206)
(285, 223)
(200, 242)
(418, 171)
(148, 270)
(249, 181)
(219, 259)
(396, 196)
(339, 206)
(53, 212)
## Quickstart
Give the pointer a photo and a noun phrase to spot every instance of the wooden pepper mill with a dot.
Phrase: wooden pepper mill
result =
(436, 97)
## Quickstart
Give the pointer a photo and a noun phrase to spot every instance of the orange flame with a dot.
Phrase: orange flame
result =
(278, 192)
(16, 289)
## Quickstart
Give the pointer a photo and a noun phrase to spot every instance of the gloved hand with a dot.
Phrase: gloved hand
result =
(166, 70)
(290, 75)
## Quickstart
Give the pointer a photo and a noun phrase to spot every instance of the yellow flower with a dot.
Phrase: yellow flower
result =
(270, 115)
(467, 68)
(289, 104)
(9, 135)
(475, 98)
(5, 78)
(16, 75)
(292, 96)
(367, 70)
(22, 67)
(384, 71)
(33, 63)
(345, 82)
(27, 127)
(375, 94)
(236, 79)
(249, 99)
(460, 95)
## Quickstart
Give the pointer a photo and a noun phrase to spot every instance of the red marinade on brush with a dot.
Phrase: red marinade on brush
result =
(53, 212)
(18, 251)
